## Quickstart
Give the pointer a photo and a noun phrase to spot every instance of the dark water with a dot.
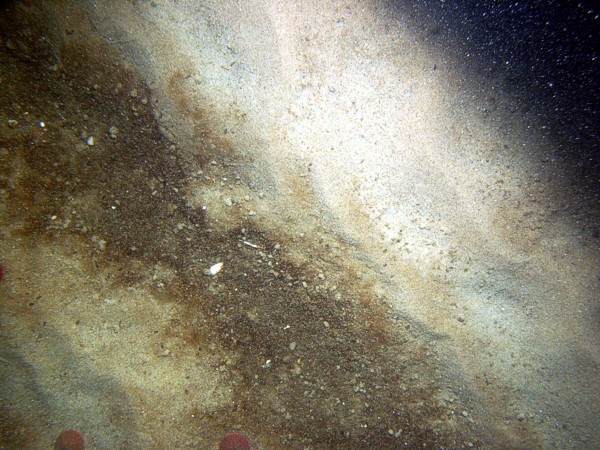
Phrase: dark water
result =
(546, 52)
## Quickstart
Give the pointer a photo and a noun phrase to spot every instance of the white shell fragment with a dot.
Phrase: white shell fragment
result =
(214, 269)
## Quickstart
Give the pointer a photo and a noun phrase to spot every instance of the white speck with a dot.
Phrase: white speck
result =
(215, 269)
(90, 140)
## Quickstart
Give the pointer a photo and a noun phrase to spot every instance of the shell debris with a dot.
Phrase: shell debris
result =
(214, 269)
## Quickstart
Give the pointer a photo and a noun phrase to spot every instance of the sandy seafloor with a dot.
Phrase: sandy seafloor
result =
(408, 259)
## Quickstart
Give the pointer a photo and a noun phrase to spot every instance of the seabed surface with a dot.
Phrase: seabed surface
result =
(318, 223)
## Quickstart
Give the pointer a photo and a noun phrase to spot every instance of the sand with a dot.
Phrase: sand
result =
(405, 260)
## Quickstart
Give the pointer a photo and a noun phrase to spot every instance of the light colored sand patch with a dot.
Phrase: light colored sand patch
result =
(109, 368)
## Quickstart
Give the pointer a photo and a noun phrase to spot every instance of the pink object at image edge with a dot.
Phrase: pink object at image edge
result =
(69, 440)
(235, 441)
